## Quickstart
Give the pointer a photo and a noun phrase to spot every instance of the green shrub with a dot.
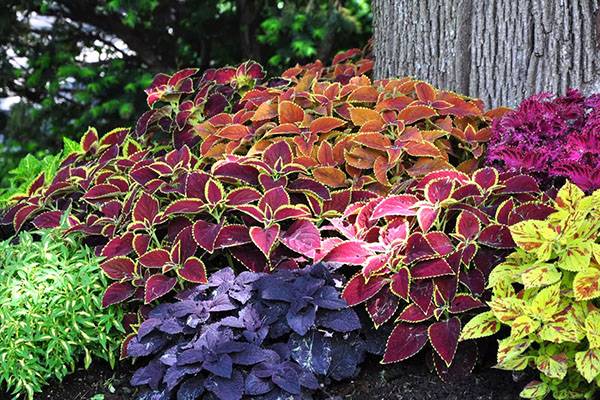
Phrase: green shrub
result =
(547, 293)
(51, 315)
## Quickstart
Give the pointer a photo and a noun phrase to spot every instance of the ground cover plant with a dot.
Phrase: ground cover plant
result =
(52, 318)
(547, 293)
(428, 253)
(267, 336)
(552, 137)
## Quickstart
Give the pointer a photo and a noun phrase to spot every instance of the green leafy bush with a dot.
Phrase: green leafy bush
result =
(51, 315)
(547, 293)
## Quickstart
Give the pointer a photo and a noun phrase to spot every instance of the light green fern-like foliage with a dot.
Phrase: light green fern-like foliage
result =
(51, 316)
(548, 293)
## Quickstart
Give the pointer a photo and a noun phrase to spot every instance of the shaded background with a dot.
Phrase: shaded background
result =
(69, 64)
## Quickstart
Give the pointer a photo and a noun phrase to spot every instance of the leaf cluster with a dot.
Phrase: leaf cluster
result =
(252, 334)
(547, 293)
(51, 315)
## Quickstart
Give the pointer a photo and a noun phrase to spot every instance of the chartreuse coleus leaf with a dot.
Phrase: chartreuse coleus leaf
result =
(545, 292)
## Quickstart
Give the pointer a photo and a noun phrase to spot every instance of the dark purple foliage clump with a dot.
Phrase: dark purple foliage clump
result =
(266, 336)
(551, 138)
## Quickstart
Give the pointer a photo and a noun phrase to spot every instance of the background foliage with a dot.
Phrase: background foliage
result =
(75, 63)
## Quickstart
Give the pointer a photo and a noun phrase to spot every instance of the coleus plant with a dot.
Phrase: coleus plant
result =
(266, 336)
(551, 138)
(424, 257)
(346, 130)
(547, 293)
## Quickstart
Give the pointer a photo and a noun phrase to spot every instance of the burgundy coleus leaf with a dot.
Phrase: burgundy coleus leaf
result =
(310, 187)
(520, 184)
(119, 268)
(497, 236)
(250, 257)
(184, 246)
(156, 258)
(205, 234)
(440, 242)
(462, 365)
(48, 219)
(468, 226)
(118, 246)
(348, 252)
(184, 206)
(303, 237)
(358, 290)
(213, 192)
(426, 217)
(431, 269)
(418, 248)
(193, 270)
(400, 283)
(117, 292)
(265, 238)
(405, 341)
(400, 205)
(101, 191)
(421, 293)
(157, 286)
(290, 212)
(232, 235)
(382, 306)
(413, 314)
(145, 209)
(23, 214)
(242, 195)
(464, 302)
(537, 211)
(439, 190)
(140, 243)
(89, 140)
(443, 336)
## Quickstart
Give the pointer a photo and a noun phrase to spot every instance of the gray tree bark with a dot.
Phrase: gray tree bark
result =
(498, 50)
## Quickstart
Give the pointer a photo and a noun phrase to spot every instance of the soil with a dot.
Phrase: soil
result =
(405, 381)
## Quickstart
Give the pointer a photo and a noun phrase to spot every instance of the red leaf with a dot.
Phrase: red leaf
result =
(497, 236)
(464, 302)
(405, 341)
(431, 269)
(101, 191)
(382, 307)
(89, 139)
(184, 206)
(118, 246)
(118, 268)
(117, 293)
(418, 248)
(213, 192)
(303, 237)
(251, 257)
(396, 205)
(155, 258)
(205, 234)
(157, 286)
(350, 253)
(145, 209)
(520, 184)
(400, 284)
(232, 235)
(48, 219)
(440, 242)
(358, 291)
(264, 238)
(486, 177)
(413, 314)
(421, 293)
(467, 225)
(193, 270)
(443, 336)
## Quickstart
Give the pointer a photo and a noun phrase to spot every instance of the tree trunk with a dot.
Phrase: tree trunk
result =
(498, 50)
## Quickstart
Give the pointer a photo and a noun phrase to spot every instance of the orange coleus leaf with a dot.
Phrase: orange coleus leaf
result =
(330, 176)
(290, 112)
(264, 112)
(413, 114)
(325, 124)
(380, 168)
(364, 94)
(361, 157)
(362, 115)
(425, 92)
(233, 132)
(395, 103)
(422, 149)
(325, 154)
(373, 140)
(423, 166)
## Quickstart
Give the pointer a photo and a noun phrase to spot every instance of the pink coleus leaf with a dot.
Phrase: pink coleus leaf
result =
(265, 238)
(118, 268)
(400, 205)
(193, 270)
(426, 217)
(382, 306)
(358, 290)
(303, 237)
(350, 253)
(205, 234)
(157, 286)
(117, 292)
(444, 336)
(439, 190)
(375, 264)
(405, 341)
(290, 212)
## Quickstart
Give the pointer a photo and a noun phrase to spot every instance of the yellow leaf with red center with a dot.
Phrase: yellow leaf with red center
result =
(588, 364)
(541, 274)
(545, 304)
(586, 284)
(507, 309)
(576, 258)
(523, 326)
(592, 329)
(510, 350)
(534, 236)
(554, 366)
(481, 325)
